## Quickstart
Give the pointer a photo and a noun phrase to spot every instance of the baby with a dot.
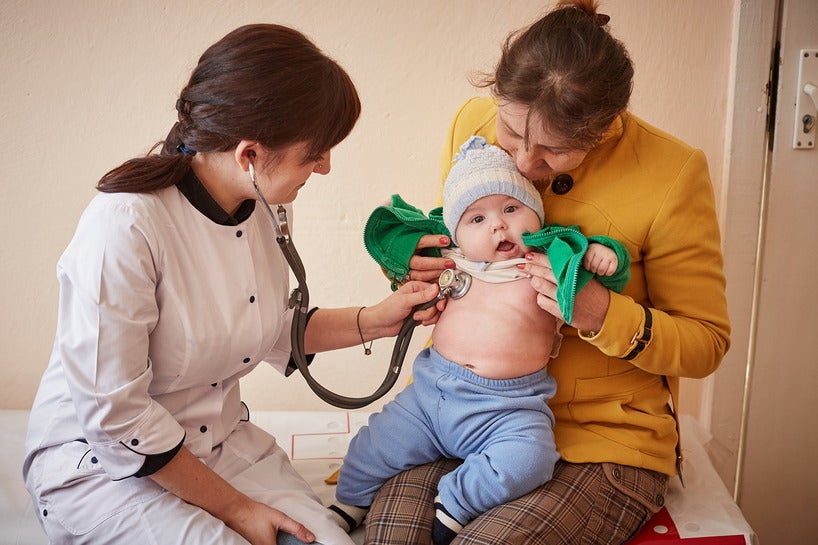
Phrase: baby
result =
(480, 393)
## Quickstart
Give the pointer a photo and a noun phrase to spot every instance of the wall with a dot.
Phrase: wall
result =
(87, 85)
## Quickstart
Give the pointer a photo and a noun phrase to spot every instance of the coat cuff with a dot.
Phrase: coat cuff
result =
(623, 329)
(155, 434)
(291, 366)
(155, 462)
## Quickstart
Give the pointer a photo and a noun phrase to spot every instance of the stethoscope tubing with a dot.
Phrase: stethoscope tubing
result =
(299, 301)
(299, 327)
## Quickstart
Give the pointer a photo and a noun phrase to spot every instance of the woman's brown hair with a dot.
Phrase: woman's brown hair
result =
(569, 70)
(261, 82)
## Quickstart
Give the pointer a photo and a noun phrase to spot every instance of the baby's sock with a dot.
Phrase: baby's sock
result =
(346, 516)
(445, 527)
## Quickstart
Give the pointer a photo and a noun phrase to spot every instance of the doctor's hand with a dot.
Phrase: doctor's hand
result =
(259, 524)
(590, 304)
(386, 318)
(425, 268)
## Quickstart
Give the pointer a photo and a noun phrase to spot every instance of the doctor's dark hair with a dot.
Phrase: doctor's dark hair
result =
(569, 70)
(261, 82)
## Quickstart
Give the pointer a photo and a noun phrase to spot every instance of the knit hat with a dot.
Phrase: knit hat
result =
(481, 170)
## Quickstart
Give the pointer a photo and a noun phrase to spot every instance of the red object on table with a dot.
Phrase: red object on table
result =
(661, 530)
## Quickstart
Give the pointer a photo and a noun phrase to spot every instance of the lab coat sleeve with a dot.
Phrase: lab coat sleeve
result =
(279, 356)
(107, 310)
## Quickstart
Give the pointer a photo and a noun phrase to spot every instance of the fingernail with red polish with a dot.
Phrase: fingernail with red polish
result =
(444, 240)
(529, 256)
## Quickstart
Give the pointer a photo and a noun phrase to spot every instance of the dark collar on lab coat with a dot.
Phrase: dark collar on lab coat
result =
(197, 195)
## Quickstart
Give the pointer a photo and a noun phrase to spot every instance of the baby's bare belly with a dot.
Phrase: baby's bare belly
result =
(496, 330)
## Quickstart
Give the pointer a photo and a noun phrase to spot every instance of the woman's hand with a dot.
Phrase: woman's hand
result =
(259, 524)
(386, 318)
(427, 269)
(590, 304)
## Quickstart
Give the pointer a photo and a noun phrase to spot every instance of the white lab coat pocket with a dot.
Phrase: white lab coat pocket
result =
(72, 489)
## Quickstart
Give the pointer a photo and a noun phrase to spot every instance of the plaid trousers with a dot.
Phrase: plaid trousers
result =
(583, 504)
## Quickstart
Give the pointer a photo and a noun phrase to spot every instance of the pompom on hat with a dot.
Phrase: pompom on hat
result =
(481, 170)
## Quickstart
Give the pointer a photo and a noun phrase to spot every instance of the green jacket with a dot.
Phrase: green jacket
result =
(392, 233)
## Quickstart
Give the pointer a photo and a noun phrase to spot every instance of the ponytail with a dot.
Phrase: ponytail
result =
(152, 172)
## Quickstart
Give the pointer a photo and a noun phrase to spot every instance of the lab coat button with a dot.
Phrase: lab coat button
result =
(134, 442)
(246, 360)
(252, 298)
(94, 459)
(238, 233)
(215, 384)
(203, 429)
(45, 512)
(562, 184)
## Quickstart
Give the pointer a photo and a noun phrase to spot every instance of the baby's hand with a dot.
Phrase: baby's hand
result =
(601, 260)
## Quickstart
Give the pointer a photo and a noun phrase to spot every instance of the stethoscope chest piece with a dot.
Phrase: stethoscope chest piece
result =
(454, 283)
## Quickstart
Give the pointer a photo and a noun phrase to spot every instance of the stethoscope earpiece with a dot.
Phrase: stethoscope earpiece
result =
(251, 167)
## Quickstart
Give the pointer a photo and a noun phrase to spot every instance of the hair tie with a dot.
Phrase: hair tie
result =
(602, 19)
(181, 148)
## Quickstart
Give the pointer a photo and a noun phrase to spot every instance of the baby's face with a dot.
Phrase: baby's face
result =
(491, 228)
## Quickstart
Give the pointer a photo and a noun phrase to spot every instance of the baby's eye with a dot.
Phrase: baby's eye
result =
(510, 208)
(477, 219)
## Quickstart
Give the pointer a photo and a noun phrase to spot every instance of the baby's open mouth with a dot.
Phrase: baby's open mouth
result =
(505, 246)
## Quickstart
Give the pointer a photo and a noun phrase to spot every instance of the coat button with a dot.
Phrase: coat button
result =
(246, 360)
(45, 512)
(660, 500)
(134, 442)
(252, 298)
(617, 473)
(94, 460)
(562, 184)
(239, 233)
(203, 429)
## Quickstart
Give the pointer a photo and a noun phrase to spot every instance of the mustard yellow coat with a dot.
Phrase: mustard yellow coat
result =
(652, 192)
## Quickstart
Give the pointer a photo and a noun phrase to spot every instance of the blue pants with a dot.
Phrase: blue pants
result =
(502, 429)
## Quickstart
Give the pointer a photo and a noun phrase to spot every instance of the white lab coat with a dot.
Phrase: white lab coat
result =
(161, 312)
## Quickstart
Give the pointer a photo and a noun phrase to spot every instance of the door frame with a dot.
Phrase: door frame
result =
(742, 210)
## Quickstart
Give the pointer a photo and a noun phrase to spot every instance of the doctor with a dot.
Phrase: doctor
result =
(171, 290)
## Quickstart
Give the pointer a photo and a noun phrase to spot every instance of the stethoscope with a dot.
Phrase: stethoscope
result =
(451, 283)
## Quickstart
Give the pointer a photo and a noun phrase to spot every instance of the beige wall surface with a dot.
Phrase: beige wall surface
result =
(88, 84)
